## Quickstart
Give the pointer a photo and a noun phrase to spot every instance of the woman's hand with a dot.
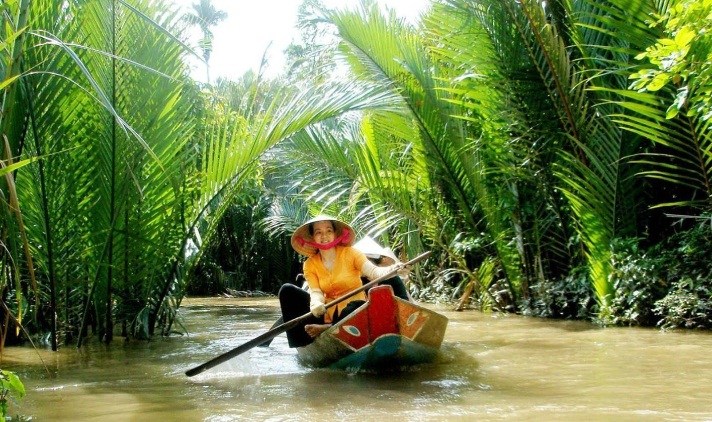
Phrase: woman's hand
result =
(318, 310)
(372, 272)
(316, 302)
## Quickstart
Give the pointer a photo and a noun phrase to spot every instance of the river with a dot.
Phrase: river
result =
(492, 367)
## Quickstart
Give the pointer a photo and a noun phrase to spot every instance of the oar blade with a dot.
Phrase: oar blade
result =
(269, 335)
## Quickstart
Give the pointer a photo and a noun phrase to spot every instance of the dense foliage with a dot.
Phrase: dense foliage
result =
(242, 259)
(128, 164)
(529, 149)
(545, 151)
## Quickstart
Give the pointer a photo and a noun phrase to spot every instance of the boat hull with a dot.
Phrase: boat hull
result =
(386, 333)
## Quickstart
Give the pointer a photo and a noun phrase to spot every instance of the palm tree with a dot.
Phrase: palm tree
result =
(130, 173)
(409, 168)
(205, 16)
(668, 102)
(519, 114)
(14, 245)
(106, 187)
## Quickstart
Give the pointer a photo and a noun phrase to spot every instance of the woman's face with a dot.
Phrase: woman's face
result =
(323, 232)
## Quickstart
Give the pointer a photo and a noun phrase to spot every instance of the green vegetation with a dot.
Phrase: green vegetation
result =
(10, 388)
(555, 156)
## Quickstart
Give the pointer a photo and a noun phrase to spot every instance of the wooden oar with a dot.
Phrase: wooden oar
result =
(291, 324)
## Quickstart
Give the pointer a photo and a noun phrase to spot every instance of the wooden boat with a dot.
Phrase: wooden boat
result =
(385, 333)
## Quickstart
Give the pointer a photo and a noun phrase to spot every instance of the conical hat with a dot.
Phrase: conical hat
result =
(373, 250)
(301, 234)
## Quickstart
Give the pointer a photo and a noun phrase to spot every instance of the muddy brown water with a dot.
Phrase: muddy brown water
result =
(492, 367)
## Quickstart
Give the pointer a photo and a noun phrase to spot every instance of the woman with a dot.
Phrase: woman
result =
(333, 268)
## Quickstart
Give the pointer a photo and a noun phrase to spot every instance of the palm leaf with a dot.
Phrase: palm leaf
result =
(682, 153)
(386, 50)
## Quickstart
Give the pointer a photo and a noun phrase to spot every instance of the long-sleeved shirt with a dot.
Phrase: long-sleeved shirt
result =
(343, 278)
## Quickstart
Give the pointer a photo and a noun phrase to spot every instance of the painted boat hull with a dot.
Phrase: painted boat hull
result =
(386, 333)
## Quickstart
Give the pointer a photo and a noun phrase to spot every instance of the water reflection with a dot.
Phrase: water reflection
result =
(492, 367)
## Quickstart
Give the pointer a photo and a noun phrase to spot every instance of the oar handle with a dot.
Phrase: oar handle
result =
(274, 332)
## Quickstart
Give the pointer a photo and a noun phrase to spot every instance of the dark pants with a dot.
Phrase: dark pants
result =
(294, 302)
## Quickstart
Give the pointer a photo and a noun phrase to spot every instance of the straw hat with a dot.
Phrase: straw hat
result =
(375, 251)
(301, 235)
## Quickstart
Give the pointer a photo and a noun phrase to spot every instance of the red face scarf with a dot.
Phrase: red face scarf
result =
(344, 239)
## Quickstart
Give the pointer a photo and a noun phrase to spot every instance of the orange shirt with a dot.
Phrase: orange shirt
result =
(343, 278)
